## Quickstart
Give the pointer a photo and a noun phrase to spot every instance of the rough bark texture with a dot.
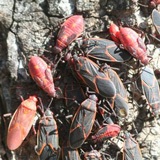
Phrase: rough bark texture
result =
(30, 27)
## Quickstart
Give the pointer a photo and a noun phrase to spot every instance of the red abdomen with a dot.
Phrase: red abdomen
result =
(41, 74)
(21, 123)
(71, 29)
(133, 44)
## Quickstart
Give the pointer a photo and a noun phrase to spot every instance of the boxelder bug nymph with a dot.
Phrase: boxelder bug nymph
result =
(47, 136)
(92, 155)
(121, 99)
(130, 41)
(21, 122)
(105, 50)
(70, 154)
(107, 131)
(41, 74)
(131, 150)
(150, 88)
(89, 73)
(82, 122)
(72, 28)
(156, 20)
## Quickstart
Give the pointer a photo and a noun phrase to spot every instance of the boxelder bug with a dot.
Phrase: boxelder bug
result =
(82, 122)
(21, 122)
(130, 41)
(70, 154)
(131, 150)
(89, 73)
(107, 131)
(41, 74)
(105, 50)
(150, 88)
(156, 20)
(72, 28)
(47, 136)
(73, 92)
(121, 99)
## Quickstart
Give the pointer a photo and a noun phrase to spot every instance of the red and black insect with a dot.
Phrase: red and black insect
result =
(82, 122)
(150, 89)
(106, 132)
(131, 150)
(70, 154)
(105, 50)
(73, 92)
(47, 136)
(121, 98)
(21, 122)
(156, 20)
(42, 75)
(131, 41)
(72, 28)
(89, 73)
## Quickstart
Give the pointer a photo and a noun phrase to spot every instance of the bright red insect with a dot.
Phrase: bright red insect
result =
(72, 28)
(108, 131)
(21, 122)
(41, 74)
(130, 41)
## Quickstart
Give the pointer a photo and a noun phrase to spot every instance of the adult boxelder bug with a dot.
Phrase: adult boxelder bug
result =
(70, 154)
(73, 93)
(121, 99)
(89, 73)
(41, 74)
(82, 122)
(150, 88)
(105, 50)
(72, 28)
(21, 122)
(156, 20)
(107, 131)
(131, 150)
(47, 137)
(131, 41)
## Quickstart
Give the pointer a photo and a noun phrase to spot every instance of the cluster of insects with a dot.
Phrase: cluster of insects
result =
(94, 94)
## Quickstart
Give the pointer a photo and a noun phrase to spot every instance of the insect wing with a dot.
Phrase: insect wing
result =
(120, 89)
(20, 126)
(121, 99)
(150, 89)
(48, 154)
(89, 73)
(156, 19)
(47, 135)
(121, 106)
(105, 50)
(74, 92)
(82, 123)
(70, 154)
(131, 150)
